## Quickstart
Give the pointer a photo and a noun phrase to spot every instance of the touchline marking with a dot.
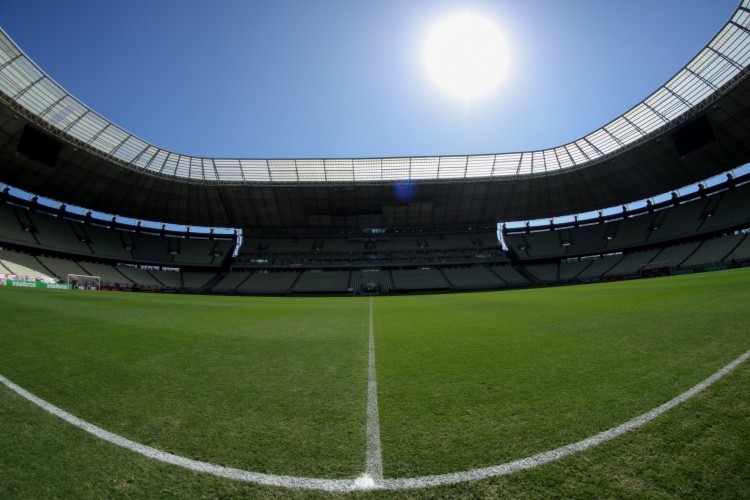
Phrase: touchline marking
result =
(374, 463)
(371, 483)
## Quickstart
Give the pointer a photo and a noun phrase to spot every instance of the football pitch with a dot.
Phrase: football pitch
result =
(397, 387)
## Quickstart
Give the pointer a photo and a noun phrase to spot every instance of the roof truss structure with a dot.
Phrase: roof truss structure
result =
(103, 167)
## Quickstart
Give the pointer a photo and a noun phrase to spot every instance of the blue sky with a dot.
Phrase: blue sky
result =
(345, 78)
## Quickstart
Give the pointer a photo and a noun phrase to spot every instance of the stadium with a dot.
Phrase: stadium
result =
(442, 326)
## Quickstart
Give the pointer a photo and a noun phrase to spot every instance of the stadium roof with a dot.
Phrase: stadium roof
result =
(694, 126)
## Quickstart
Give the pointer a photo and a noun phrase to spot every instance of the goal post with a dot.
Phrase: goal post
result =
(370, 287)
(84, 282)
(653, 269)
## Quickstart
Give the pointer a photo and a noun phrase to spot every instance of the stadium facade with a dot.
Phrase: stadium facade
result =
(382, 224)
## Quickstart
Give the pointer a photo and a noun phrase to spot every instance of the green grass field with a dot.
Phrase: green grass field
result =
(279, 385)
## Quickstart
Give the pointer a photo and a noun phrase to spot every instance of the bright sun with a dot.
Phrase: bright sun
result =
(466, 55)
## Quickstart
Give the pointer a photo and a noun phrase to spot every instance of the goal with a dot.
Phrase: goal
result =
(84, 282)
(370, 287)
(653, 269)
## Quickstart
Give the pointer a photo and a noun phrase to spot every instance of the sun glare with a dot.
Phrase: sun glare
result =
(466, 55)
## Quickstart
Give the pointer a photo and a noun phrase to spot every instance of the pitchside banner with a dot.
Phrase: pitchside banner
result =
(33, 284)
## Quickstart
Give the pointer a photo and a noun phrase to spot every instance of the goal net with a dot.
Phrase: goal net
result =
(84, 282)
(652, 269)
(370, 287)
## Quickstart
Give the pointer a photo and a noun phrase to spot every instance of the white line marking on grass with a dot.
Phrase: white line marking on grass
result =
(374, 463)
(369, 483)
(341, 485)
(563, 451)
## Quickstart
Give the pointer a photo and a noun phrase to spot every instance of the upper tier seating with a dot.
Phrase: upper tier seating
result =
(730, 210)
(199, 251)
(13, 229)
(109, 244)
(61, 233)
(538, 244)
(687, 217)
(631, 232)
(679, 222)
(259, 251)
(57, 234)
(588, 239)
